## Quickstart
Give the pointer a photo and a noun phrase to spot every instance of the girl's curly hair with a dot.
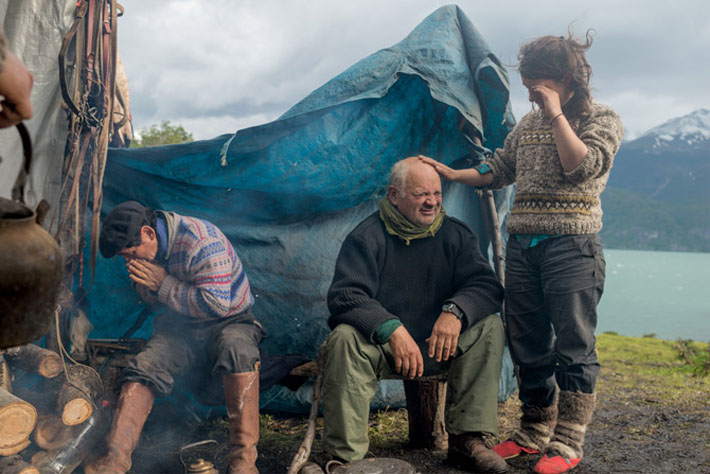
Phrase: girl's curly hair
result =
(559, 58)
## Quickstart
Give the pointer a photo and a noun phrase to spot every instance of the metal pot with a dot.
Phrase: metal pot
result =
(31, 267)
(199, 466)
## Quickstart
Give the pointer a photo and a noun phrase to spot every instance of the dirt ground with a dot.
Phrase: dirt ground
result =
(652, 417)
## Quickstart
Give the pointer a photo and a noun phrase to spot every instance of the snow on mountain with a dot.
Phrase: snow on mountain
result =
(689, 132)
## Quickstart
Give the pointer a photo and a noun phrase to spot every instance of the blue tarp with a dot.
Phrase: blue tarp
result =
(287, 193)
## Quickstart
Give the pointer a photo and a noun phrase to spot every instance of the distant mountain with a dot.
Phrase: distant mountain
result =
(658, 195)
(687, 133)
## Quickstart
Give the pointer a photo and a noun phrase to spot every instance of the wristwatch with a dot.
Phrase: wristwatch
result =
(450, 307)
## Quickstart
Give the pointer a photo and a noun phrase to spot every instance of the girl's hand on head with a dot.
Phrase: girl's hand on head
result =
(549, 98)
(442, 169)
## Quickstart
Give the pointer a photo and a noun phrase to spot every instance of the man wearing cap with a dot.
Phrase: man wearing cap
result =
(189, 266)
(413, 295)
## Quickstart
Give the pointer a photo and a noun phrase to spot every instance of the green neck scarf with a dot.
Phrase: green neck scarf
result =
(397, 224)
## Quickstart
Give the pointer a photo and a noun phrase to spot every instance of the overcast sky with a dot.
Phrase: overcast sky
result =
(222, 65)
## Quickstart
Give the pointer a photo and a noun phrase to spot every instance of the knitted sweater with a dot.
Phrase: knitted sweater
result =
(205, 276)
(550, 200)
(378, 277)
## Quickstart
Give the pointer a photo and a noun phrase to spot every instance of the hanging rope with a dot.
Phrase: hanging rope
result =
(89, 56)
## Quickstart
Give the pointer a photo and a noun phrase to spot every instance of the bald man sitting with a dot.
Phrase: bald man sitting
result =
(413, 295)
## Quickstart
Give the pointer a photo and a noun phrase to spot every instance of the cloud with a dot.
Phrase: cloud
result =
(206, 63)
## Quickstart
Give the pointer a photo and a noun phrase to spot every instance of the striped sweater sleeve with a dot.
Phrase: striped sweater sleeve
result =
(218, 285)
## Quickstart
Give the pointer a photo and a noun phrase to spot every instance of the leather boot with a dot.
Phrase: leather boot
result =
(134, 405)
(241, 394)
(469, 451)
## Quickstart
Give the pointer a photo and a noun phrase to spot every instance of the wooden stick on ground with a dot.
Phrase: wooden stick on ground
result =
(17, 420)
(304, 451)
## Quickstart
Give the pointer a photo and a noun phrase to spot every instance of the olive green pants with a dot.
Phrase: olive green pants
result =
(352, 367)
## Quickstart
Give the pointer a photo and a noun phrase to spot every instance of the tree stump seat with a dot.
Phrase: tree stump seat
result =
(426, 398)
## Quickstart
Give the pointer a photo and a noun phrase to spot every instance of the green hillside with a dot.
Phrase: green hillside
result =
(636, 221)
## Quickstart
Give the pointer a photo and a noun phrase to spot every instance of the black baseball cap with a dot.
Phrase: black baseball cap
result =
(122, 227)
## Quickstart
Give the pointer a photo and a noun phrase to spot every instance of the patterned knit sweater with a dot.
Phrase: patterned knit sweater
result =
(550, 200)
(205, 276)
(378, 277)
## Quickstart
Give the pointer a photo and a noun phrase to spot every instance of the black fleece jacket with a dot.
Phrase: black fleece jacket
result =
(378, 277)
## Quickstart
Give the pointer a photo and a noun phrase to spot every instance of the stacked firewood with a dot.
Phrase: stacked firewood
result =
(34, 426)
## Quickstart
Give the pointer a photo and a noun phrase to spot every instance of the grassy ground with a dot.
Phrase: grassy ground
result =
(653, 416)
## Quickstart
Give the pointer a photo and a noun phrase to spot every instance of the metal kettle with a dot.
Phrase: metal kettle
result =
(31, 265)
(199, 466)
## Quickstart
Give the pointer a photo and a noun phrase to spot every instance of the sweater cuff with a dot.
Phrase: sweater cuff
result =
(384, 331)
(164, 290)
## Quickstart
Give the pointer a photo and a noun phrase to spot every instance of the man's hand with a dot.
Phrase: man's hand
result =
(148, 274)
(15, 87)
(408, 359)
(444, 336)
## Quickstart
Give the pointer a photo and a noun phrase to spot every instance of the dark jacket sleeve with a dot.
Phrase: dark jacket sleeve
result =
(352, 292)
(478, 292)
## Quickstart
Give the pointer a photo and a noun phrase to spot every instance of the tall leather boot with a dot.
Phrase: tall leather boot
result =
(134, 405)
(241, 394)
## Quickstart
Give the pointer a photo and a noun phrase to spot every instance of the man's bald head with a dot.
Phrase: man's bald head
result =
(398, 174)
(415, 190)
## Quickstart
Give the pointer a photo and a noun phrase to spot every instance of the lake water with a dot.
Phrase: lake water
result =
(664, 293)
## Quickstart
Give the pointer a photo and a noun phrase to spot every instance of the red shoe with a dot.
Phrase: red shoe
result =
(510, 449)
(555, 465)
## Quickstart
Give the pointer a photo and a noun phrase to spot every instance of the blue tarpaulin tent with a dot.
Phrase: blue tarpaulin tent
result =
(286, 193)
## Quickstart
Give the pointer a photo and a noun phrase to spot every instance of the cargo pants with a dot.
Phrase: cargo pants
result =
(202, 351)
(551, 295)
(353, 365)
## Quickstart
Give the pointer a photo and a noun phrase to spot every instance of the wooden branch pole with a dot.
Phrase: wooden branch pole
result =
(488, 206)
(75, 400)
(16, 465)
(51, 433)
(17, 420)
(304, 451)
(35, 359)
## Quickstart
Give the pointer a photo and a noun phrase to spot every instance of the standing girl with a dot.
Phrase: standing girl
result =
(559, 156)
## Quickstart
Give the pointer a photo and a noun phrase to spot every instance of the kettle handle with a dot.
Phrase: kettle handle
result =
(18, 189)
(195, 445)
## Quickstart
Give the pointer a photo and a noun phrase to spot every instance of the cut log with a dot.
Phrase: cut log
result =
(51, 433)
(17, 420)
(425, 406)
(16, 465)
(75, 401)
(15, 448)
(41, 459)
(35, 359)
